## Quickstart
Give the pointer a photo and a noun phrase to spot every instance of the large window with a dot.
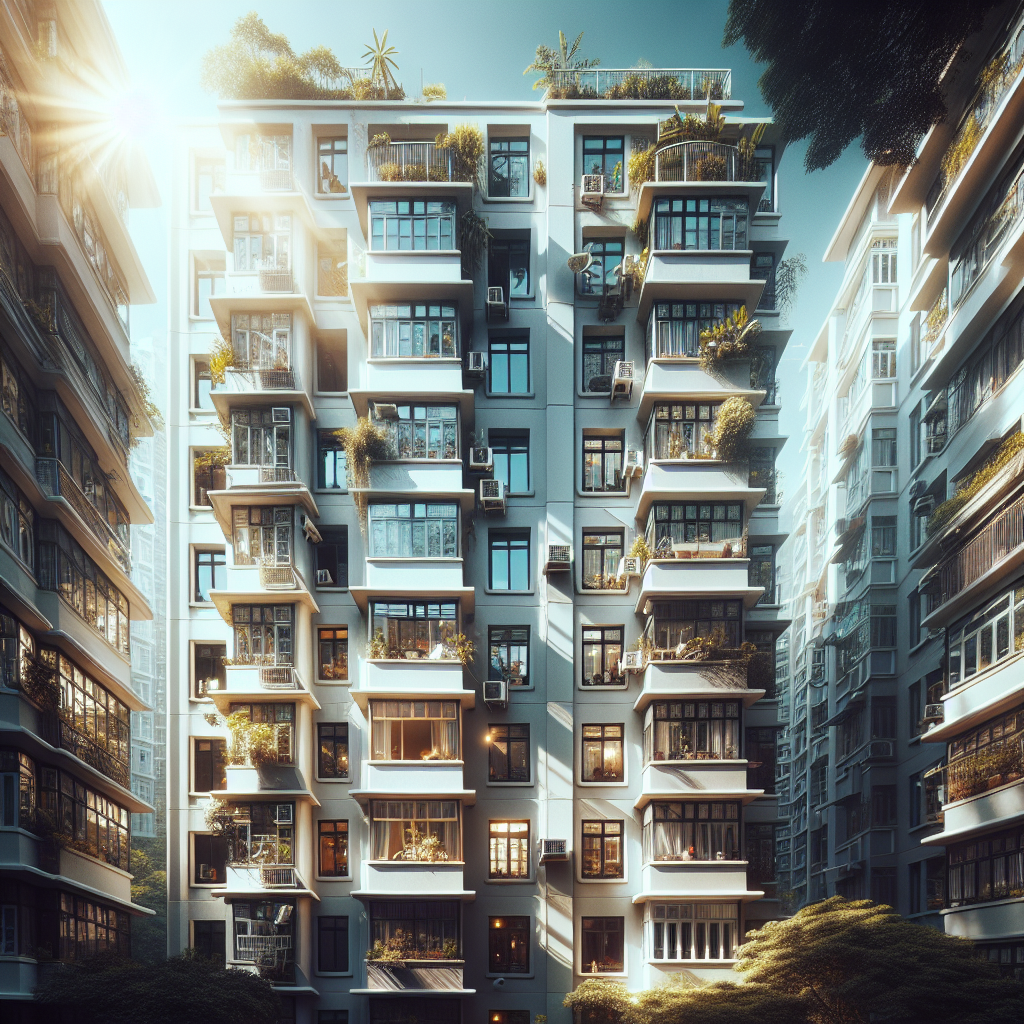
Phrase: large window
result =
(269, 836)
(421, 929)
(883, 359)
(261, 437)
(414, 730)
(262, 241)
(330, 464)
(674, 328)
(603, 753)
(281, 720)
(986, 637)
(332, 945)
(209, 572)
(509, 648)
(332, 750)
(265, 933)
(508, 366)
(509, 849)
(423, 431)
(408, 629)
(605, 271)
(681, 431)
(202, 385)
(508, 753)
(332, 653)
(261, 341)
(692, 731)
(602, 849)
(263, 634)
(333, 851)
(208, 669)
(883, 447)
(412, 224)
(16, 521)
(508, 266)
(693, 931)
(509, 168)
(511, 454)
(988, 868)
(684, 527)
(600, 354)
(415, 830)
(332, 157)
(209, 281)
(602, 462)
(992, 750)
(207, 475)
(691, 830)
(209, 940)
(602, 947)
(17, 790)
(674, 622)
(210, 759)
(88, 928)
(602, 652)
(509, 559)
(603, 154)
(508, 945)
(332, 557)
(601, 553)
(413, 530)
(883, 261)
(412, 331)
(99, 826)
(718, 223)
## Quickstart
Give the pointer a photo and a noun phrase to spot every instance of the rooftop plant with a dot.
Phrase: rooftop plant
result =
(434, 91)
(546, 61)
(380, 57)
(465, 142)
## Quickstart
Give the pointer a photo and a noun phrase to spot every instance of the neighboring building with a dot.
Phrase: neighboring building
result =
(71, 412)
(907, 610)
(578, 801)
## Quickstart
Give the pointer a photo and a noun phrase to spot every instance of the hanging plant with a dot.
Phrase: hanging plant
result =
(221, 357)
(731, 339)
(641, 169)
(212, 457)
(364, 444)
(465, 143)
(642, 551)
(540, 174)
(250, 743)
(473, 239)
(733, 425)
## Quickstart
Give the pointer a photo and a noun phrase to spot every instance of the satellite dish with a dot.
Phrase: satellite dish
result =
(580, 262)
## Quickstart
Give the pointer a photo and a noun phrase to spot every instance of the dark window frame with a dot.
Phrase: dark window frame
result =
(507, 639)
(599, 450)
(607, 645)
(517, 765)
(513, 349)
(333, 735)
(499, 150)
(207, 558)
(603, 154)
(508, 945)
(596, 842)
(338, 646)
(509, 542)
(604, 742)
(329, 831)
(332, 944)
(602, 929)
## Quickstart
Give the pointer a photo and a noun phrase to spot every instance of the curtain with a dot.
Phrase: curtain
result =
(444, 738)
(381, 739)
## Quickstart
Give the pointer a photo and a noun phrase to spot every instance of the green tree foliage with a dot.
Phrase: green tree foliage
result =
(858, 961)
(187, 989)
(149, 889)
(838, 71)
(546, 61)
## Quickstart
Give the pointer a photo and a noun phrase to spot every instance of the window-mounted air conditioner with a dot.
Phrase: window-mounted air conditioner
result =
(385, 410)
(281, 414)
(481, 460)
(559, 558)
(476, 362)
(324, 578)
(622, 379)
(631, 661)
(497, 307)
(496, 693)
(492, 495)
(284, 814)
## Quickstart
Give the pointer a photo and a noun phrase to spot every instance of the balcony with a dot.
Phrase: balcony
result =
(414, 975)
(697, 575)
(261, 582)
(666, 677)
(259, 485)
(433, 778)
(263, 878)
(408, 161)
(697, 779)
(695, 880)
(58, 730)
(678, 84)
(697, 274)
(245, 682)
(695, 480)
(422, 678)
(399, 575)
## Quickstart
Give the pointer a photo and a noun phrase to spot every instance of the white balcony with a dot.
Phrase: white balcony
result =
(995, 921)
(720, 680)
(673, 378)
(983, 696)
(435, 779)
(1002, 805)
(698, 274)
(408, 266)
(269, 782)
(257, 485)
(695, 880)
(696, 577)
(416, 976)
(263, 881)
(245, 683)
(247, 388)
(695, 480)
(399, 575)
(420, 678)
(706, 780)
(412, 880)
(418, 479)
(246, 584)
(414, 380)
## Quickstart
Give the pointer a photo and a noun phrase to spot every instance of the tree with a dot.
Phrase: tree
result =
(838, 71)
(380, 57)
(547, 61)
(149, 889)
(858, 961)
(187, 989)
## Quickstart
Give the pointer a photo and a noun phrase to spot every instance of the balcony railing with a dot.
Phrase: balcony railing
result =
(696, 161)
(276, 180)
(278, 577)
(1004, 534)
(58, 732)
(1002, 761)
(56, 481)
(277, 475)
(266, 380)
(645, 83)
(408, 161)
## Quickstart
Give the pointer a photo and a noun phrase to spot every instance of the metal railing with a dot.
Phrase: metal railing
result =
(996, 540)
(277, 475)
(1000, 762)
(59, 732)
(277, 577)
(408, 161)
(675, 83)
(276, 280)
(278, 677)
(275, 180)
(696, 161)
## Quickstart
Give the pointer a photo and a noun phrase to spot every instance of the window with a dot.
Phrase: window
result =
(510, 559)
(602, 945)
(600, 354)
(332, 945)
(915, 438)
(411, 331)
(602, 652)
(691, 830)
(509, 366)
(209, 940)
(88, 928)
(202, 384)
(692, 730)
(330, 367)
(883, 447)
(602, 849)
(17, 790)
(718, 223)
(99, 825)
(883, 261)
(209, 178)
(508, 266)
(674, 329)
(674, 622)
(509, 753)
(210, 573)
(415, 830)
(602, 463)
(414, 224)
(986, 637)
(208, 773)
(509, 654)
(208, 667)
(764, 170)
(262, 535)
(602, 753)
(679, 527)
(17, 519)
(332, 557)
(413, 530)
(511, 453)
(261, 437)
(693, 931)
(987, 868)
(420, 730)
(509, 843)
(267, 839)
(681, 431)
(409, 629)
(9, 930)
(883, 536)
(332, 750)
(914, 602)
(332, 653)
(762, 268)
(262, 241)
(422, 431)
(510, 169)
(332, 157)
(333, 852)
(601, 555)
(508, 945)
(208, 282)
(421, 928)
(605, 271)
(917, 350)
(761, 572)
(210, 857)
(883, 359)
(263, 634)
(254, 922)
(603, 154)
(333, 1017)
(280, 718)
(208, 475)
(330, 463)
(331, 282)
(261, 341)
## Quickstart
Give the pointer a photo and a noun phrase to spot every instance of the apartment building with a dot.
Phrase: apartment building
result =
(357, 809)
(72, 409)
(904, 759)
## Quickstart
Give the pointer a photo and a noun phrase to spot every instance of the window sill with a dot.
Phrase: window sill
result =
(510, 593)
(333, 878)
(602, 686)
(330, 394)
(510, 785)
(602, 881)
(201, 508)
(610, 592)
(510, 881)
(580, 973)
(695, 760)
(602, 494)
(197, 411)
(694, 963)
(333, 974)
(347, 194)
(331, 590)
(510, 394)
(415, 863)
(200, 604)
(337, 782)
(603, 785)
(512, 975)
(413, 252)
(457, 763)
(334, 682)
(514, 200)
(328, 490)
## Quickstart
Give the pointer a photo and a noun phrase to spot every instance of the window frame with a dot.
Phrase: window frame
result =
(502, 345)
(606, 644)
(605, 931)
(321, 141)
(335, 932)
(503, 732)
(337, 458)
(605, 545)
(603, 740)
(510, 445)
(513, 541)
(602, 347)
(606, 153)
(333, 833)
(597, 449)
(602, 838)
(510, 158)
(337, 652)
(210, 555)
(509, 642)
(339, 738)
(513, 864)
(196, 742)
(501, 935)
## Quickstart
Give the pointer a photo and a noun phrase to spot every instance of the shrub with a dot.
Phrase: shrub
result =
(648, 87)
(641, 169)
(733, 338)
(364, 444)
(221, 357)
(709, 168)
(733, 426)
(466, 144)
(390, 172)
(540, 174)
(435, 91)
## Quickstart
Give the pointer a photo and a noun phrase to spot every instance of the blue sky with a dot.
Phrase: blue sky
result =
(478, 49)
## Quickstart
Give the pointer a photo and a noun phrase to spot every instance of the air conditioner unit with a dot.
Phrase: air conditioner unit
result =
(496, 693)
(559, 558)
(631, 661)
(553, 850)
(622, 379)
(497, 307)
(629, 566)
(924, 505)
(481, 460)
(592, 190)
(934, 713)
(385, 410)
(634, 462)
(492, 495)
(880, 748)
(324, 578)
(281, 414)
(476, 362)
(284, 814)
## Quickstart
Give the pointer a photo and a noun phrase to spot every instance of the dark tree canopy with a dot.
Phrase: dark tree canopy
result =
(838, 71)
(187, 989)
